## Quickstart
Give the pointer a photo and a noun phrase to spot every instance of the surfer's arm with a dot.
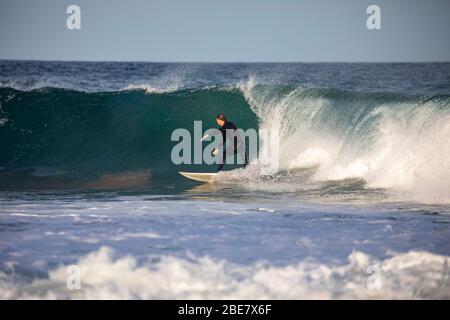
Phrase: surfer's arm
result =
(222, 132)
(206, 136)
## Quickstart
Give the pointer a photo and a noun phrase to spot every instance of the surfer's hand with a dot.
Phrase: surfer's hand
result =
(215, 152)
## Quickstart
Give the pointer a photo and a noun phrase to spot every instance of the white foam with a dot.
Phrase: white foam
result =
(412, 275)
(405, 149)
(149, 89)
(409, 156)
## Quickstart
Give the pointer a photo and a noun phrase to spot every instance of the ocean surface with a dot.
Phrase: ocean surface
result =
(359, 208)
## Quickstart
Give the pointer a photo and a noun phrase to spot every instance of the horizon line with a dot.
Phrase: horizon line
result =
(221, 62)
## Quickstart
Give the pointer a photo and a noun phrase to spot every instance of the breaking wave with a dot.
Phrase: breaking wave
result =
(391, 141)
(411, 275)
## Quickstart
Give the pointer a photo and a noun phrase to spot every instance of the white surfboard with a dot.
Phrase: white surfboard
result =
(199, 176)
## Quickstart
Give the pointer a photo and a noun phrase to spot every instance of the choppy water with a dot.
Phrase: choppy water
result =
(361, 198)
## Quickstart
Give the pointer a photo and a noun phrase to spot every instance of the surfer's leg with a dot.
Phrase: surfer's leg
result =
(243, 154)
(220, 165)
(226, 153)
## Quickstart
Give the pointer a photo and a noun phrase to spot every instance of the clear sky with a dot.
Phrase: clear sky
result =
(226, 30)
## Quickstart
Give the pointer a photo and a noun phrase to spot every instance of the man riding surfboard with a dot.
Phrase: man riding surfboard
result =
(237, 146)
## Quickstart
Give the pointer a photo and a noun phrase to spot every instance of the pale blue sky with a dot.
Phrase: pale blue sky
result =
(226, 30)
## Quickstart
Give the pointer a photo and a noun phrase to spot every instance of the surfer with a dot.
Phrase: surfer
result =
(237, 146)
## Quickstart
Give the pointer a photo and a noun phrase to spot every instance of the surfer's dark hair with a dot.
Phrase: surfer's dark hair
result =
(221, 116)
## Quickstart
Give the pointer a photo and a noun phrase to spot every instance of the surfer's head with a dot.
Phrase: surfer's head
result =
(221, 119)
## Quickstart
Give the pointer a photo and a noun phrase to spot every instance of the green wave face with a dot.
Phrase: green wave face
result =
(76, 136)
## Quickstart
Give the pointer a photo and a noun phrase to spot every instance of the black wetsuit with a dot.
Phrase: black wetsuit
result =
(236, 147)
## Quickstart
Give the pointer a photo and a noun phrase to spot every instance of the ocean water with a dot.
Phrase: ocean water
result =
(360, 207)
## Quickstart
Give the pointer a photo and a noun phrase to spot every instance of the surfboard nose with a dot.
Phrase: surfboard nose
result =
(199, 176)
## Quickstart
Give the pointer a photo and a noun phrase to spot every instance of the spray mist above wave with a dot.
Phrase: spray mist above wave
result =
(149, 89)
(391, 141)
(95, 77)
(49, 85)
(114, 76)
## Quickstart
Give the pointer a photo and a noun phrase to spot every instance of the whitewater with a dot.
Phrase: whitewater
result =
(360, 207)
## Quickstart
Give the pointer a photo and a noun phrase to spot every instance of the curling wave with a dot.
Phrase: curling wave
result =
(392, 141)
